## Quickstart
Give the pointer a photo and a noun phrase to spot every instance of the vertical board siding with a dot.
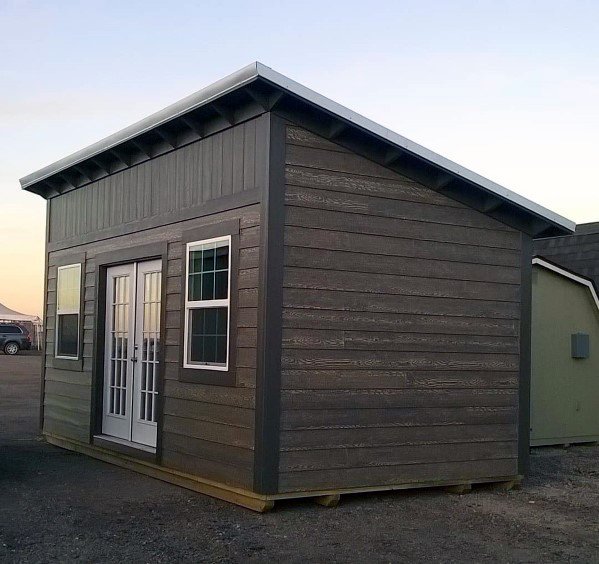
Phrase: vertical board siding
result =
(401, 320)
(223, 164)
(208, 430)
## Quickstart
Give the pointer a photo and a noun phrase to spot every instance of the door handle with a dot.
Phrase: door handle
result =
(134, 358)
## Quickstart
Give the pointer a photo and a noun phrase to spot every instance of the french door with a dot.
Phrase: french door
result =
(132, 346)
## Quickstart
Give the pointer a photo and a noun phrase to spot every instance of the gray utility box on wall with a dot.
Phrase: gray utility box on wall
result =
(580, 345)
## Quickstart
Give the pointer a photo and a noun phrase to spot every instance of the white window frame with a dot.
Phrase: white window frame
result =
(205, 304)
(67, 311)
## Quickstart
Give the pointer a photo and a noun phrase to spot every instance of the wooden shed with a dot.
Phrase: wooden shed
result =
(565, 356)
(259, 294)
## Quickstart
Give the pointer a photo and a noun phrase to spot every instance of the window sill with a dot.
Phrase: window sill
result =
(207, 376)
(75, 364)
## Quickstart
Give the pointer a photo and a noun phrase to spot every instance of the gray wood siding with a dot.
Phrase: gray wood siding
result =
(67, 393)
(401, 320)
(208, 430)
(226, 163)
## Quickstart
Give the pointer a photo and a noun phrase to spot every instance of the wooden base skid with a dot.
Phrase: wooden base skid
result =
(254, 501)
(238, 496)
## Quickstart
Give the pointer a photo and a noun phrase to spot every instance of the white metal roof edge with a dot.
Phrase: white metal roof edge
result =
(567, 274)
(402, 142)
(249, 73)
(204, 96)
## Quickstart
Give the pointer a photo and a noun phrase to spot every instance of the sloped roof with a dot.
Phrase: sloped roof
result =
(275, 92)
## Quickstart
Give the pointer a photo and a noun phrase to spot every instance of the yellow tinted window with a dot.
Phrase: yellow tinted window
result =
(68, 288)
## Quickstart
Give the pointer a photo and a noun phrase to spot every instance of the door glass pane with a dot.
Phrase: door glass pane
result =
(119, 346)
(150, 339)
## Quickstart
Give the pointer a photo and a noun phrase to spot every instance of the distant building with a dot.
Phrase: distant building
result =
(565, 356)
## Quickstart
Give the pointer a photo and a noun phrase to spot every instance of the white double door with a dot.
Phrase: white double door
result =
(132, 346)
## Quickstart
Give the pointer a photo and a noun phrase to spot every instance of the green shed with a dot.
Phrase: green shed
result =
(565, 356)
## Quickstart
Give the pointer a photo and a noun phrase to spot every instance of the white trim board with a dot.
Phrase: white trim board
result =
(566, 274)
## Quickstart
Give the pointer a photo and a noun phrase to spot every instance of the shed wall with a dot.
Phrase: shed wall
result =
(401, 324)
(208, 430)
(564, 390)
(158, 190)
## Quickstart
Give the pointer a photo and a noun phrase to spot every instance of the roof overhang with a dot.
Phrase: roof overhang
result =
(257, 89)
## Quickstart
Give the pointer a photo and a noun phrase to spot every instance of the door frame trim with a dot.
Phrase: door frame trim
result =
(119, 424)
(153, 251)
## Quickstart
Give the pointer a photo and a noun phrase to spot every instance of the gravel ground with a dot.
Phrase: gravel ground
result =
(60, 506)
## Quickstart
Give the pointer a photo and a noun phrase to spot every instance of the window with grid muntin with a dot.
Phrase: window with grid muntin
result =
(207, 304)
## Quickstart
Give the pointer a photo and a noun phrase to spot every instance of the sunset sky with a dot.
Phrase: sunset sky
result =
(508, 89)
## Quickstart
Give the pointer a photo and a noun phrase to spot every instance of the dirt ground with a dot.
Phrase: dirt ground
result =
(60, 506)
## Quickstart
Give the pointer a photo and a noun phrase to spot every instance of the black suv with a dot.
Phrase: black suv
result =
(14, 338)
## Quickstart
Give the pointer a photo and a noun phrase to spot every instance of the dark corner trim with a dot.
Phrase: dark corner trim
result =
(270, 311)
(525, 357)
(45, 319)
(213, 377)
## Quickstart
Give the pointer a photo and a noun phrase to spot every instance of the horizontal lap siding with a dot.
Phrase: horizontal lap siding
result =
(401, 319)
(207, 430)
(67, 393)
